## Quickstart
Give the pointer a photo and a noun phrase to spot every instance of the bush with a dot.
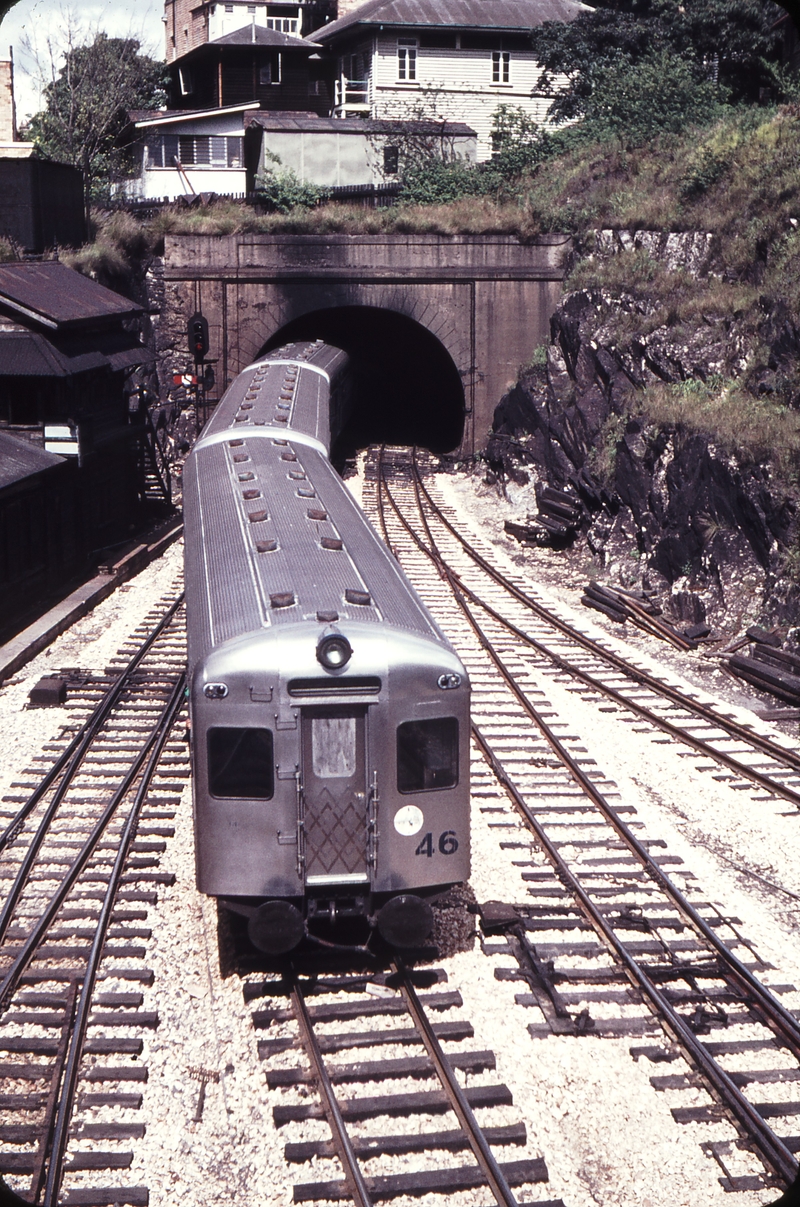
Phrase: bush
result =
(437, 182)
(662, 93)
(283, 191)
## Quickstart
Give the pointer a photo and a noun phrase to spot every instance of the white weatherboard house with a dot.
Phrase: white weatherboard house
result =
(454, 60)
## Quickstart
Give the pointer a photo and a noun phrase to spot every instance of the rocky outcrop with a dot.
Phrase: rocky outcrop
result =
(663, 507)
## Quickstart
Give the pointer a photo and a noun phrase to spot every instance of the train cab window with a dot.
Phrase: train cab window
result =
(427, 754)
(240, 763)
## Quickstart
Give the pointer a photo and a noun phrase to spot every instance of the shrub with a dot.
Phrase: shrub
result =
(662, 93)
(436, 182)
(283, 191)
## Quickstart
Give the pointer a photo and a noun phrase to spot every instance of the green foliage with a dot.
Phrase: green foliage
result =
(519, 143)
(733, 42)
(7, 251)
(437, 182)
(85, 109)
(704, 172)
(661, 93)
(282, 191)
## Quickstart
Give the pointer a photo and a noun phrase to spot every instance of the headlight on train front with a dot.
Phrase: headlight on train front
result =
(334, 652)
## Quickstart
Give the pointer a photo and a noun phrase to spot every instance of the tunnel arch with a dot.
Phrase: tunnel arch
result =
(407, 387)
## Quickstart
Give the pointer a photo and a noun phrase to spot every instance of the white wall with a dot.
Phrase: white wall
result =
(453, 85)
(221, 23)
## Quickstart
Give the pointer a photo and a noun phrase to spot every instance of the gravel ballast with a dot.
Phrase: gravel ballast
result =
(607, 1136)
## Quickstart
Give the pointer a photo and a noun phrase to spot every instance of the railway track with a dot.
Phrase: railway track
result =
(80, 841)
(608, 942)
(327, 1017)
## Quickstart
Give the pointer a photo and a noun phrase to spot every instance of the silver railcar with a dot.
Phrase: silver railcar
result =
(329, 715)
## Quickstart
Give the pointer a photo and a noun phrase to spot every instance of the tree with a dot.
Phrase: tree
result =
(86, 104)
(730, 44)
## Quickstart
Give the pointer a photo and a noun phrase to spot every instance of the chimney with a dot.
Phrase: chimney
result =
(8, 121)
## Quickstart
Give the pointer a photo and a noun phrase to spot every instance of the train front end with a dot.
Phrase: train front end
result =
(331, 779)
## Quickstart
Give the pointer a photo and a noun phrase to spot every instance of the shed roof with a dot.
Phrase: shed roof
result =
(459, 14)
(57, 297)
(20, 460)
(307, 123)
(31, 354)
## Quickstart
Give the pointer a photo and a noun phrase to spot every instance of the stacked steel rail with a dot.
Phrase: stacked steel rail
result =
(719, 962)
(97, 811)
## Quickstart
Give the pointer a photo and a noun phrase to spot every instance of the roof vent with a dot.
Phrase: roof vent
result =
(282, 599)
(362, 598)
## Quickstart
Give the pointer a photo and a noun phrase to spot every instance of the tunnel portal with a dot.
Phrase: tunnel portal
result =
(406, 386)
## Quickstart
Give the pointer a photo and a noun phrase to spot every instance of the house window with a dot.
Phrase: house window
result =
(185, 81)
(228, 8)
(501, 67)
(202, 150)
(270, 72)
(391, 160)
(407, 59)
(284, 25)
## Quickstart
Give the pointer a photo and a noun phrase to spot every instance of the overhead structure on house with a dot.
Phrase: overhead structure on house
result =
(451, 60)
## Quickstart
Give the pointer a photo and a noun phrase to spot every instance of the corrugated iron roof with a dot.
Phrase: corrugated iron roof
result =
(311, 124)
(20, 460)
(58, 297)
(460, 14)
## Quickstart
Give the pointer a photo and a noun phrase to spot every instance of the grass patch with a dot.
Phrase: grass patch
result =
(734, 419)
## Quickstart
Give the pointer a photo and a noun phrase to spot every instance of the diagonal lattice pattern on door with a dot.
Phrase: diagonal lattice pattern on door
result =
(336, 835)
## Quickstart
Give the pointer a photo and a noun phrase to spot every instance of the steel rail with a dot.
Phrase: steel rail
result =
(69, 762)
(28, 950)
(772, 1149)
(81, 1021)
(773, 1012)
(675, 731)
(788, 757)
(354, 1178)
(775, 1153)
(458, 1099)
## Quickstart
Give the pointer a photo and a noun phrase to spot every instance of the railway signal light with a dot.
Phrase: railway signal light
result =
(198, 337)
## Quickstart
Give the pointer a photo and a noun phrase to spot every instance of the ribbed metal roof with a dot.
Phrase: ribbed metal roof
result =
(458, 14)
(58, 297)
(19, 460)
(311, 124)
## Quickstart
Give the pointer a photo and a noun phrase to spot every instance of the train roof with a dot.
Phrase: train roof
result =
(297, 546)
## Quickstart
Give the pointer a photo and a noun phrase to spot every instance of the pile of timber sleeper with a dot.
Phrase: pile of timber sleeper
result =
(557, 520)
(621, 605)
(768, 667)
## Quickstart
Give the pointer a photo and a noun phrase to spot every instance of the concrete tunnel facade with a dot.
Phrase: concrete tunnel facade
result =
(466, 309)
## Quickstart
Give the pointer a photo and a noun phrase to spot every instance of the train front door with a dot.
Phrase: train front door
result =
(335, 806)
